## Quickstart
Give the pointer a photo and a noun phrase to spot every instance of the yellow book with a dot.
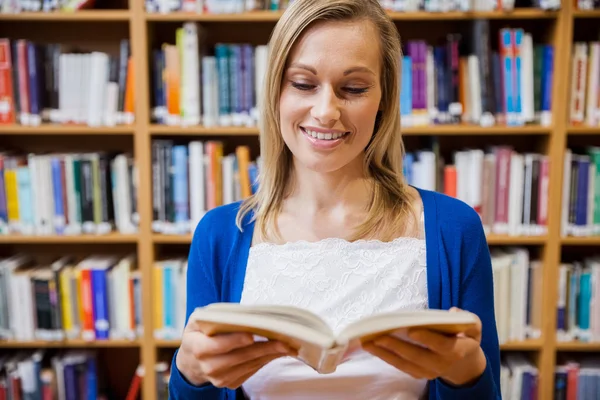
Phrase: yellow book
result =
(66, 301)
(12, 194)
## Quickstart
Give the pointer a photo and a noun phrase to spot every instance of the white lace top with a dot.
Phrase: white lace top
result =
(340, 281)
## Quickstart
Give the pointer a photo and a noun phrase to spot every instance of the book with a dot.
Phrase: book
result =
(316, 344)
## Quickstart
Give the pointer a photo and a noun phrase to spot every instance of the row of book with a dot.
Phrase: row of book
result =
(68, 193)
(464, 80)
(581, 192)
(96, 297)
(69, 374)
(169, 278)
(51, 83)
(189, 179)
(519, 377)
(577, 379)
(507, 188)
(460, 81)
(96, 193)
(191, 87)
(578, 304)
(584, 106)
(17, 6)
(587, 4)
(517, 294)
(240, 6)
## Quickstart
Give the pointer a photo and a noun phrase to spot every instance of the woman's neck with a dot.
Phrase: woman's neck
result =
(321, 193)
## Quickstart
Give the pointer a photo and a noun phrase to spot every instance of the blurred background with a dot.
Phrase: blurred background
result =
(123, 122)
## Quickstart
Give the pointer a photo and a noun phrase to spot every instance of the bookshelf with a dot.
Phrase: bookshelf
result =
(104, 29)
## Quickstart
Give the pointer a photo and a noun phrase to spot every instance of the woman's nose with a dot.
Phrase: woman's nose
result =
(326, 108)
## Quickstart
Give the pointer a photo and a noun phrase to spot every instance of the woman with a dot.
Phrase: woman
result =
(335, 229)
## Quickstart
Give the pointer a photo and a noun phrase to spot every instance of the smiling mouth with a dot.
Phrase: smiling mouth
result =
(324, 135)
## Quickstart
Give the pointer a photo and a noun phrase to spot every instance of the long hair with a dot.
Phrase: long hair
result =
(390, 202)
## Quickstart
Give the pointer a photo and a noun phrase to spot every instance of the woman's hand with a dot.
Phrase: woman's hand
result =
(458, 360)
(225, 360)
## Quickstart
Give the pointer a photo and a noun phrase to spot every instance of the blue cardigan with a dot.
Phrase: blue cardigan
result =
(459, 273)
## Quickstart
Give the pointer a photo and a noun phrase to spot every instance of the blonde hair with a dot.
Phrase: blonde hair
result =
(390, 202)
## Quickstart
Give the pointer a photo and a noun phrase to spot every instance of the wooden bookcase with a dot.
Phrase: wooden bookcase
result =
(102, 29)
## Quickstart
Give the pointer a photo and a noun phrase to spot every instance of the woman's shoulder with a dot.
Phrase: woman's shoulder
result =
(450, 216)
(219, 222)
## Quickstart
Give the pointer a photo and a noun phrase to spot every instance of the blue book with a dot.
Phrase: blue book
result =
(180, 185)
(406, 89)
(100, 301)
(57, 190)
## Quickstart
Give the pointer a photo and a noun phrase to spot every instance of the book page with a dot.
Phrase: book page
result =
(370, 327)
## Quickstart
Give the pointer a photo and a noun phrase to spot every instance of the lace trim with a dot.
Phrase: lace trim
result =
(338, 243)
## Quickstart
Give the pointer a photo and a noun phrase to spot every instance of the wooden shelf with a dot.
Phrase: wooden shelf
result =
(583, 130)
(527, 345)
(433, 130)
(523, 13)
(507, 240)
(75, 239)
(578, 346)
(65, 130)
(167, 343)
(172, 239)
(79, 16)
(586, 13)
(68, 343)
(581, 241)
(465, 129)
(200, 130)
(273, 16)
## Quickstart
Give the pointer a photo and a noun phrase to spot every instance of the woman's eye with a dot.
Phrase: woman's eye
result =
(353, 90)
(302, 86)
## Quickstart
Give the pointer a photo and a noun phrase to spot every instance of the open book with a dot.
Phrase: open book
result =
(315, 342)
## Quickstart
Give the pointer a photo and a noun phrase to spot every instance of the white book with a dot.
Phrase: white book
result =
(527, 77)
(515, 194)
(98, 79)
(518, 298)
(111, 104)
(190, 79)
(475, 173)
(228, 180)
(428, 170)
(431, 87)
(474, 88)
(210, 92)
(197, 183)
(578, 82)
(591, 115)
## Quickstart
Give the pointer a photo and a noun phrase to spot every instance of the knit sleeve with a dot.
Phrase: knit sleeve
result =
(477, 296)
(202, 279)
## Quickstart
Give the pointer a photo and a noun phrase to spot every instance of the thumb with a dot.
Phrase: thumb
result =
(473, 331)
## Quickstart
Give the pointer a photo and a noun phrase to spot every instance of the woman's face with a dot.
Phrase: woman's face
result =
(330, 95)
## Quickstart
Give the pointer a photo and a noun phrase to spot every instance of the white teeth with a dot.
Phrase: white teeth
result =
(324, 136)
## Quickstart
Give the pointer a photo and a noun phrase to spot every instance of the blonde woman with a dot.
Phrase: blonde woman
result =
(335, 229)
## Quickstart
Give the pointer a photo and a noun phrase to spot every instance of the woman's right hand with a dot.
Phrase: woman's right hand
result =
(224, 360)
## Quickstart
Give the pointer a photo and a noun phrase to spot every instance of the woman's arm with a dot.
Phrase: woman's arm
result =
(201, 290)
(477, 296)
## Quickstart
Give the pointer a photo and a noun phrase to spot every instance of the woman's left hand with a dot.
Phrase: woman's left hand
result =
(458, 360)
